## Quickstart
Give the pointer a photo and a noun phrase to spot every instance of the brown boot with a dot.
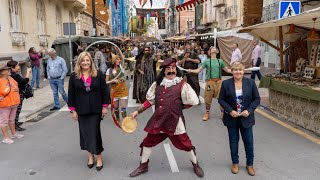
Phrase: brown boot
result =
(235, 169)
(197, 169)
(141, 169)
(206, 116)
(251, 171)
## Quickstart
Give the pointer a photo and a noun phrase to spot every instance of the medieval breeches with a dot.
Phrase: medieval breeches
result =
(180, 141)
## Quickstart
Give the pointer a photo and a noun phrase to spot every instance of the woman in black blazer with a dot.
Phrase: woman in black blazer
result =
(239, 98)
(88, 100)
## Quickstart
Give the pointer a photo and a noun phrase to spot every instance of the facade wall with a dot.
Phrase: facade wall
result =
(85, 25)
(29, 25)
(185, 16)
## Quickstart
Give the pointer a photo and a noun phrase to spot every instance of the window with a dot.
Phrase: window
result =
(41, 17)
(15, 15)
(86, 33)
(58, 22)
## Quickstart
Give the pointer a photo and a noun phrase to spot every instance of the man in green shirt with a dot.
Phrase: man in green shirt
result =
(213, 67)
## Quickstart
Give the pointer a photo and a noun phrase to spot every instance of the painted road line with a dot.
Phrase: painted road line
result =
(132, 102)
(291, 128)
(64, 108)
(171, 159)
(202, 84)
(201, 99)
(170, 156)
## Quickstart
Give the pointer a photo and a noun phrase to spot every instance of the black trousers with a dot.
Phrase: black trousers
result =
(19, 109)
(90, 134)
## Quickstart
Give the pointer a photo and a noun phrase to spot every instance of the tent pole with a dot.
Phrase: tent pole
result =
(268, 43)
(281, 49)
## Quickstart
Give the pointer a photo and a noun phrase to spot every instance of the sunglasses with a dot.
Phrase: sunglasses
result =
(86, 85)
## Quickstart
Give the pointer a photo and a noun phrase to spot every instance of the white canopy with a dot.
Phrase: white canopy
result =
(269, 30)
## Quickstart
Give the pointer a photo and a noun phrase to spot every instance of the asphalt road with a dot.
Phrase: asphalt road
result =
(50, 150)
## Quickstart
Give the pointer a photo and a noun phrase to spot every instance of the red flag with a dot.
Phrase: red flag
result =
(140, 1)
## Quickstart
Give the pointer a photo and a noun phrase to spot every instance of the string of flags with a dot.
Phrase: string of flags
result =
(188, 5)
(182, 6)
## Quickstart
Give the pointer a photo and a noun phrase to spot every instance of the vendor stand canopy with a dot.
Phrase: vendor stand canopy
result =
(270, 30)
(273, 30)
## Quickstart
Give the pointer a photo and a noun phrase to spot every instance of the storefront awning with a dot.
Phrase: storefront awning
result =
(270, 30)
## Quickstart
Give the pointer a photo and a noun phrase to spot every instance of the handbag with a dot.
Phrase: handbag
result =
(28, 91)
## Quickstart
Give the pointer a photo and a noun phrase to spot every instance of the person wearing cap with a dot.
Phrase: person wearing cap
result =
(119, 90)
(170, 94)
(9, 101)
(213, 67)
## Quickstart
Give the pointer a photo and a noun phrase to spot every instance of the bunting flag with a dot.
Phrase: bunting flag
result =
(144, 3)
(188, 5)
(115, 3)
(151, 2)
(140, 1)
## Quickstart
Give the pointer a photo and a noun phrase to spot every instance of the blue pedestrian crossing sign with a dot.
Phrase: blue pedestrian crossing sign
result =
(289, 8)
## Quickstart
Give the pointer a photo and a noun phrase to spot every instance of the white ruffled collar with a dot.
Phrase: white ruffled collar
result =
(168, 83)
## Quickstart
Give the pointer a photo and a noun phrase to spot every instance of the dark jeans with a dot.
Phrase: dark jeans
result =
(247, 138)
(254, 73)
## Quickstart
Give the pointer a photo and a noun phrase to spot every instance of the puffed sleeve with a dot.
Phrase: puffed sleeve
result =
(188, 95)
(151, 94)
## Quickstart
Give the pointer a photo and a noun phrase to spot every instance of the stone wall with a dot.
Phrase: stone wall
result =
(300, 111)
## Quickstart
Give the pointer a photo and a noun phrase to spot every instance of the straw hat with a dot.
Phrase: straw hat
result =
(129, 124)
(114, 57)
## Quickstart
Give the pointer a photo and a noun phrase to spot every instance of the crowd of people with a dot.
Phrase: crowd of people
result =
(165, 76)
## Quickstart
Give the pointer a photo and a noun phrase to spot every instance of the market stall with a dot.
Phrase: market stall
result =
(296, 93)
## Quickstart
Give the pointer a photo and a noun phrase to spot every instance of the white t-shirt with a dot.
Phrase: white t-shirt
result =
(239, 96)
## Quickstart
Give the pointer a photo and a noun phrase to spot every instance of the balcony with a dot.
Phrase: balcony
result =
(270, 12)
(44, 40)
(79, 5)
(231, 13)
(18, 38)
(219, 3)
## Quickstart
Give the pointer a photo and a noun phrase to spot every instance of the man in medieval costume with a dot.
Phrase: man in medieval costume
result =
(144, 75)
(170, 94)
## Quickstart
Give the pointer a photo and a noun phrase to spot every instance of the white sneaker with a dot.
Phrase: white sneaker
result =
(17, 135)
(44, 79)
(7, 141)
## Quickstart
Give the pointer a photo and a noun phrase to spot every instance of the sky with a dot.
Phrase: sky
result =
(155, 3)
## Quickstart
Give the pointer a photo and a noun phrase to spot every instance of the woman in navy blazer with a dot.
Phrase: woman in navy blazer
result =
(239, 98)
(88, 101)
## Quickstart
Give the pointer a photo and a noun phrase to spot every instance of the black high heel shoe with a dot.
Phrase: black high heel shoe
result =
(90, 165)
(98, 168)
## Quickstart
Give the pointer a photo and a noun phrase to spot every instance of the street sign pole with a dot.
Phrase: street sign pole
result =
(70, 47)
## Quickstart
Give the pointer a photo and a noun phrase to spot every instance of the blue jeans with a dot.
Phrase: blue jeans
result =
(57, 85)
(247, 138)
(35, 76)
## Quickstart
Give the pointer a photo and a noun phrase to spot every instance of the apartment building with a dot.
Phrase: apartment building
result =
(34, 23)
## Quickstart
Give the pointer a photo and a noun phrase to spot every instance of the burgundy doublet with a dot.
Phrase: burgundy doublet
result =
(168, 110)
